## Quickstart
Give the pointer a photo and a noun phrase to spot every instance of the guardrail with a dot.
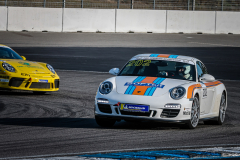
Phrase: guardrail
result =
(204, 5)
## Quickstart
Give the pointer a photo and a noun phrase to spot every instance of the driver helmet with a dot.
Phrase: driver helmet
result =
(187, 69)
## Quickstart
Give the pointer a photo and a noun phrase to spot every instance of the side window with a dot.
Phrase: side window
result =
(204, 69)
(201, 69)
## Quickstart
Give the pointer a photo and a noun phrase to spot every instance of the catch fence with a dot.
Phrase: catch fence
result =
(204, 5)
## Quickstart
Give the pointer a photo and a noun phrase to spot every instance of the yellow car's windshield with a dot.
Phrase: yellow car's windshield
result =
(7, 53)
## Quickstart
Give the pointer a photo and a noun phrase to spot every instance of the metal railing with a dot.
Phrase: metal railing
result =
(205, 5)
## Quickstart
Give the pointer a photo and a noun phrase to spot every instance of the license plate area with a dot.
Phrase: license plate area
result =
(43, 81)
(134, 108)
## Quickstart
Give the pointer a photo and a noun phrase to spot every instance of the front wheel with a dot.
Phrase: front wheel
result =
(195, 114)
(105, 122)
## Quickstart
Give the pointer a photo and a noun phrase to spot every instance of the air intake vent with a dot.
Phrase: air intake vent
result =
(170, 113)
(56, 83)
(16, 82)
(40, 85)
(147, 114)
(105, 108)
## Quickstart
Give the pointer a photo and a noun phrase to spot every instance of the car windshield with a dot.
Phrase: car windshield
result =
(159, 68)
(7, 53)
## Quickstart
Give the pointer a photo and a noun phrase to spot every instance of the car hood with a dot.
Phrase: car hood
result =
(146, 86)
(27, 66)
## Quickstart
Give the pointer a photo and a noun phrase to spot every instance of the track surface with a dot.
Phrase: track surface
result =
(63, 122)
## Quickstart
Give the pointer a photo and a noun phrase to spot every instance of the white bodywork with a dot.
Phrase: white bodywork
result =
(209, 94)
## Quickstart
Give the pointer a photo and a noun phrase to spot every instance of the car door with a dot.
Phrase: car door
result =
(207, 91)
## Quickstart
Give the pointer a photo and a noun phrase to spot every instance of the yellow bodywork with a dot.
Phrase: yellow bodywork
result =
(28, 75)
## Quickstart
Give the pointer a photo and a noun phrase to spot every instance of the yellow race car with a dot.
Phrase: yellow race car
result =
(18, 73)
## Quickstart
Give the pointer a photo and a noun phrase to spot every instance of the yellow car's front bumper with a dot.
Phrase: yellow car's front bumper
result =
(39, 82)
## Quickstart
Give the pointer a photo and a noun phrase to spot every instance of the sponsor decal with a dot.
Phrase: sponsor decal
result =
(5, 77)
(134, 108)
(24, 74)
(144, 84)
(43, 81)
(4, 80)
(186, 112)
(25, 64)
(164, 59)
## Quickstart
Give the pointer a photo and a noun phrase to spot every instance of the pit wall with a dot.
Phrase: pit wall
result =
(118, 20)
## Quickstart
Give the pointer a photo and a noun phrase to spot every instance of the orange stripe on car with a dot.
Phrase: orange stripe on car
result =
(212, 84)
(140, 90)
(164, 55)
(191, 90)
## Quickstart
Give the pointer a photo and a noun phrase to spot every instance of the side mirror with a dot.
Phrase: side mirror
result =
(114, 71)
(207, 78)
(24, 58)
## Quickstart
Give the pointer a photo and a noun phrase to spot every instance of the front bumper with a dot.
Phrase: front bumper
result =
(30, 83)
(157, 111)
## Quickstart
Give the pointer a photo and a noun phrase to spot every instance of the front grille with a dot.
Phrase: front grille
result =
(144, 114)
(15, 82)
(40, 85)
(56, 83)
(105, 108)
(170, 113)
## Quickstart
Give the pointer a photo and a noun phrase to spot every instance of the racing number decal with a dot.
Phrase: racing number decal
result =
(139, 63)
(130, 63)
(204, 92)
(146, 63)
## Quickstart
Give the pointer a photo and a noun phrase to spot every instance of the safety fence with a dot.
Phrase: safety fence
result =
(203, 5)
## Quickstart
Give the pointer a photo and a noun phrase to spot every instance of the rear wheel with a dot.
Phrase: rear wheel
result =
(105, 122)
(195, 114)
(222, 112)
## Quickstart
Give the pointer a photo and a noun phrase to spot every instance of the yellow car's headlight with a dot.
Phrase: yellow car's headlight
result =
(51, 68)
(8, 67)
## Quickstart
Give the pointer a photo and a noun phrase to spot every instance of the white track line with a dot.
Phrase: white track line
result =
(225, 45)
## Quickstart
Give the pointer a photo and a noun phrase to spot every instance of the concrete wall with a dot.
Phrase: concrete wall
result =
(89, 20)
(117, 20)
(141, 20)
(3, 18)
(190, 21)
(228, 22)
(34, 19)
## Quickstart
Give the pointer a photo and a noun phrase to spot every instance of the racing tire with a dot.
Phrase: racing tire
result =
(38, 92)
(105, 122)
(222, 112)
(195, 114)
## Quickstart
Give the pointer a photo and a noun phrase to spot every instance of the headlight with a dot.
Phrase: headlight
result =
(8, 67)
(105, 87)
(50, 68)
(177, 92)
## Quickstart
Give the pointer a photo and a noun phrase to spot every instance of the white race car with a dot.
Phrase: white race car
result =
(161, 87)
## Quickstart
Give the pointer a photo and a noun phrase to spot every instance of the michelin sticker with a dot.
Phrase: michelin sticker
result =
(144, 84)
(43, 81)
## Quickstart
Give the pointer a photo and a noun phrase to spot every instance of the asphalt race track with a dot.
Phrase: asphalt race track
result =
(63, 122)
